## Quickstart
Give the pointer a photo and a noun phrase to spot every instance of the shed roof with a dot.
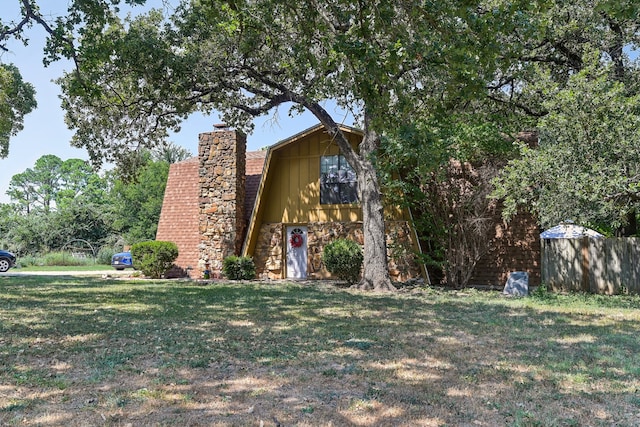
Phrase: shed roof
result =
(569, 231)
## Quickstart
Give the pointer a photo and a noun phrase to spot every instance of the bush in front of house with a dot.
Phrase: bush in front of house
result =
(238, 268)
(154, 258)
(343, 258)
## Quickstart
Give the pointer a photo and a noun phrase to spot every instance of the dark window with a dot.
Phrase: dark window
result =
(338, 183)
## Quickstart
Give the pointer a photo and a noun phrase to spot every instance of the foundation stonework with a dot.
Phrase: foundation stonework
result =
(270, 250)
(222, 156)
(269, 253)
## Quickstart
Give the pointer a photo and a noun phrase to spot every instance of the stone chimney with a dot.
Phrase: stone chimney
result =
(222, 155)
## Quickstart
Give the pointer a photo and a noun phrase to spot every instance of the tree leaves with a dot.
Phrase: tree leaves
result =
(17, 99)
(588, 163)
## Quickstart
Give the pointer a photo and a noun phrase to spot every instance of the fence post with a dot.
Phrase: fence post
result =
(544, 276)
(585, 264)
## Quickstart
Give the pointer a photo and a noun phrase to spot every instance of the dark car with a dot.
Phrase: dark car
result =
(122, 260)
(7, 260)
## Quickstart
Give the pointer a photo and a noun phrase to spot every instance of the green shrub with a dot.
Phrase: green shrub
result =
(154, 258)
(543, 292)
(29, 261)
(104, 256)
(343, 258)
(239, 268)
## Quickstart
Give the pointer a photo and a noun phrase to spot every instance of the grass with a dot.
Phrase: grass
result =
(86, 267)
(64, 259)
(82, 351)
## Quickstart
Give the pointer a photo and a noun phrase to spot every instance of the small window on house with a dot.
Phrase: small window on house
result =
(338, 182)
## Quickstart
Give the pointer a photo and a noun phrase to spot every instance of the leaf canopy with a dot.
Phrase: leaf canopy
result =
(17, 99)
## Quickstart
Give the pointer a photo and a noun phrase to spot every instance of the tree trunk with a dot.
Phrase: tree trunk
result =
(631, 227)
(375, 274)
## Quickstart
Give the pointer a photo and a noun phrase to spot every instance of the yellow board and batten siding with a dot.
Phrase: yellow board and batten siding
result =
(293, 185)
(289, 192)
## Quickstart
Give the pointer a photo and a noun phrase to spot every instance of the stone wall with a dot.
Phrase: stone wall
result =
(222, 194)
(321, 234)
(269, 254)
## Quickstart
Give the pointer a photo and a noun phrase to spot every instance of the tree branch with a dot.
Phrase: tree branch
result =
(519, 105)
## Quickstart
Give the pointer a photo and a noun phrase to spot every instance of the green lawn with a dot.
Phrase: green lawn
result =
(88, 267)
(89, 352)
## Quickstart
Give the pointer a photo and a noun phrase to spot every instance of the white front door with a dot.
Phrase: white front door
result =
(296, 252)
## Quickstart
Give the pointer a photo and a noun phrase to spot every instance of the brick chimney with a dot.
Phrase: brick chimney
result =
(222, 155)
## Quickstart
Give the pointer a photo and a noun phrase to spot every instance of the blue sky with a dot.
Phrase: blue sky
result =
(46, 133)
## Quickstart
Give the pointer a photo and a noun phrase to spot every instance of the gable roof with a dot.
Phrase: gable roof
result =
(300, 135)
(254, 163)
(253, 174)
(180, 211)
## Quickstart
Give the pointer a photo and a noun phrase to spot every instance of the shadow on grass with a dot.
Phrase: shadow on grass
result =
(312, 354)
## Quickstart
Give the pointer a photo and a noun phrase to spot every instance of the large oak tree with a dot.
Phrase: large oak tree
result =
(578, 77)
(387, 62)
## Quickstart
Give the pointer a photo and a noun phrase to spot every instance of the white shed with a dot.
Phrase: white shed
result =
(569, 230)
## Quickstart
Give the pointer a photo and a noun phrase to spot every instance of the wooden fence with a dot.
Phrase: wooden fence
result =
(602, 266)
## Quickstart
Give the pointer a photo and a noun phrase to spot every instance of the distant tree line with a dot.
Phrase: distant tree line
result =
(58, 201)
